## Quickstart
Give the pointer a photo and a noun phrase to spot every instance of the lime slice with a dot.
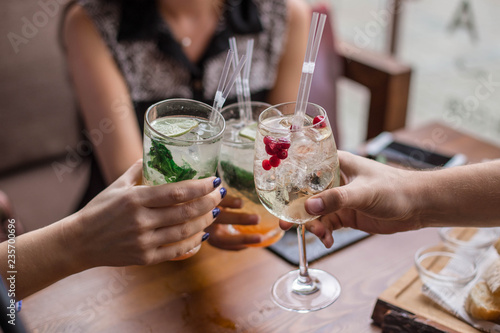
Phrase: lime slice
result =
(173, 127)
(249, 131)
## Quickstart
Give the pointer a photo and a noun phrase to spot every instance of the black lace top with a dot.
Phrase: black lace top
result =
(153, 62)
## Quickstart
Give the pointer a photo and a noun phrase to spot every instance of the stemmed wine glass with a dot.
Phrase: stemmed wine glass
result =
(291, 164)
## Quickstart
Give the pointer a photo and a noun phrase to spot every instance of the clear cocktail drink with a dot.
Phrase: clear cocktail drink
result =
(180, 143)
(310, 166)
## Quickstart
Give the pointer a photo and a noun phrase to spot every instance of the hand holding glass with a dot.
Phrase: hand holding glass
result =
(180, 143)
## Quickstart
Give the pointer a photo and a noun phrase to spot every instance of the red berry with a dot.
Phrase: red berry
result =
(268, 140)
(266, 165)
(283, 143)
(317, 120)
(274, 161)
(282, 154)
(270, 149)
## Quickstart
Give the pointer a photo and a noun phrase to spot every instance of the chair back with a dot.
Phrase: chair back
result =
(326, 73)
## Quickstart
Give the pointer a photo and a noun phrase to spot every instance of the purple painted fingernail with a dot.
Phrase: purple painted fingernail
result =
(19, 305)
(205, 236)
(215, 212)
(223, 192)
(217, 182)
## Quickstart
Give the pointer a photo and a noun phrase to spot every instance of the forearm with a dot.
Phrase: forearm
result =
(41, 258)
(461, 196)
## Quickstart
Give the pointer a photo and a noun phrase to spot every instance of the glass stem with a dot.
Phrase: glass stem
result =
(304, 277)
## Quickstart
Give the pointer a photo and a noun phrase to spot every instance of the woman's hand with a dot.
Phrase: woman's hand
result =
(129, 224)
(376, 198)
(220, 236)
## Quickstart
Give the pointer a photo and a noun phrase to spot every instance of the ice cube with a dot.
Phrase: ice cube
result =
(265, 180)
(323, 176)
(302, 150)
(286, 122)
(317, 134)
(291, 173)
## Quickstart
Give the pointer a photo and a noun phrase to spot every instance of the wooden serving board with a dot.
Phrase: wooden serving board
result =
(403, 308)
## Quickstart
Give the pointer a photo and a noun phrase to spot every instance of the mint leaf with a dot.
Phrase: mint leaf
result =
(240, 180)
(163, 162)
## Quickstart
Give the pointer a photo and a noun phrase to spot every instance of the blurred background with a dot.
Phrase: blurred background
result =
(453, 47)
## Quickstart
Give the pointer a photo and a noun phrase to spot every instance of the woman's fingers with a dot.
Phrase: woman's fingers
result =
(172, 251)
(231, 202)
(233, 217)
(179, 232)
(222, 239)
(154, 218)
(176, 193)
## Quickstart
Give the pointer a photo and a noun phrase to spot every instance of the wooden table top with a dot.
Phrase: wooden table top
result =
(222, 291)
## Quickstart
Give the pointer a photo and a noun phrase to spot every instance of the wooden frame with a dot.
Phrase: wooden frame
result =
(388, 81)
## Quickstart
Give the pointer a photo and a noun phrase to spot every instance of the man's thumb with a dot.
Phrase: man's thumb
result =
(332, 200)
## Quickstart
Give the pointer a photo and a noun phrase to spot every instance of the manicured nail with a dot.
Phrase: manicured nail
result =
(223, 192)
(215, 212)
(217, 182)
(315, 205)
(19, 305)
(205, 236)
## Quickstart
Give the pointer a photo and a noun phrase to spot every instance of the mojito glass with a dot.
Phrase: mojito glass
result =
(236, 172)
(180, 143)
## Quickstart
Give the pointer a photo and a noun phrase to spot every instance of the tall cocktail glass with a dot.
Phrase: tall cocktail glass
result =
(290, 166)
(180, 143)
(236, 172)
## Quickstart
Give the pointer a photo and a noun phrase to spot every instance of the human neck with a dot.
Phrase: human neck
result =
(192, 23)
(175, 9)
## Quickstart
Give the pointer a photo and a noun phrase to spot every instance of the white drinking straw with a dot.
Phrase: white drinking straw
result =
(313, 42)
(243, 85)
(246, 83)
(233, 77)
(239, 86)
(218, 102)
(224, 88)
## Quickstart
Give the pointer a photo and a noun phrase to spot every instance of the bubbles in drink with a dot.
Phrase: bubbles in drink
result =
(310, 167)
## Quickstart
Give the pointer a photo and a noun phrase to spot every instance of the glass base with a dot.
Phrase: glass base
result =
(291, 295)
